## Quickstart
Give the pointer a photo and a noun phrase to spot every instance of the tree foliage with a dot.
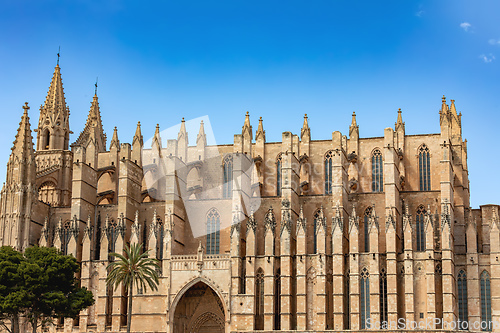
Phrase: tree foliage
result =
(41, 285)
(133, 268)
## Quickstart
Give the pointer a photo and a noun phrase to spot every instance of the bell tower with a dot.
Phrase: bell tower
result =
(53, 159)
(53, 124)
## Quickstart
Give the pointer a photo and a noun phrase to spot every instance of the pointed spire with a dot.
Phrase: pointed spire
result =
(138, 136)
(201, 135)
(321, 221)
(157, 138)
(452, 108)
(444, 107)
(270, 221)
(400, 125)
(305, 132)
(93, 128)
(55, 101)
(23, 144)
(261, 134)
(246, 130)
(114, 140)
(183, 132)
(54, 117)
(353, 220)
(337, 219)
(353, 128)
(251, 223)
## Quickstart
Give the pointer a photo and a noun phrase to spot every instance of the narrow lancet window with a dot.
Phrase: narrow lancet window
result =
(365, 298)
(213, 231)
(463, 308)
(420, 228)
(278, 175)
(377, 171)
(328, 172)
(424, 168)
(228, 177)
(486, 324)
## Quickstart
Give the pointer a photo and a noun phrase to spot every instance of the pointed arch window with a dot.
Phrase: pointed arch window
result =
(278, 175)
(424, 168)
(383, 295)
(227, 190)
(463, 308)
(316, 216)
(112, 234)
(213, 231)
(377, 171)
(328, 172)
(485, 301)
(46, 139)
(65, 236)
(366, 229)
(365, 297)
(259, 301)
(159, 240)
(420, 228)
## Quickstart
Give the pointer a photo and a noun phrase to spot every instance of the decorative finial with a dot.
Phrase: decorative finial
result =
(96, 85)
(399, 110)
(58, 55)
(183, 119)
(247, 113)
(26, 107)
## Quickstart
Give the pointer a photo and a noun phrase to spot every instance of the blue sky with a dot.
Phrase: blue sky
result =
(160, 61)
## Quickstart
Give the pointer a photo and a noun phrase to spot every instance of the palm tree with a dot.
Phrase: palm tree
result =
(133, 268)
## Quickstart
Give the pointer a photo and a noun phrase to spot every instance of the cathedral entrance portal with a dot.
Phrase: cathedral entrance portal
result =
(199, 310)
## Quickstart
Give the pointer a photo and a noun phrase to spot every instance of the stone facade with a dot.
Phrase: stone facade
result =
(291, 235)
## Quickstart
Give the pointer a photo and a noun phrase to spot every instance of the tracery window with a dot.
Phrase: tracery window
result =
(463, 308)
(420, 228)
(366, 228)
(328, 172)
(278, 175)
(365, 297)
(424, 168)
(377, 171)
(213, 231)
(65, 236)
(112, 234)
(227, 189)
(259, 302)
(383, 295)
(485, 301)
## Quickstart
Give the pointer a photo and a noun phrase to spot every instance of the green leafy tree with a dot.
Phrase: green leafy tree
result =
(13, 298)
(51, 287)
(133, 268)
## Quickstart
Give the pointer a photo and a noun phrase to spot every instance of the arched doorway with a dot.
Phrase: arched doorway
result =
(199, 310)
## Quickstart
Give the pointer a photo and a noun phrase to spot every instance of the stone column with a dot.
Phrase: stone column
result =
(269, 236)
(354, 269)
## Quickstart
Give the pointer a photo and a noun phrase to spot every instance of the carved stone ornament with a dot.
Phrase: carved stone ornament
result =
(301, 221)
(270, 221)
(251, 223)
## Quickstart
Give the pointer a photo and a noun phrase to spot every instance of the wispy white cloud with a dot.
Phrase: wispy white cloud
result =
(487, 58)
(494, 41)
(420, 13)
(465, 25)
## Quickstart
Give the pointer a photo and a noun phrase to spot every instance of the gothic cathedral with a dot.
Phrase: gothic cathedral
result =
(346, 233)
